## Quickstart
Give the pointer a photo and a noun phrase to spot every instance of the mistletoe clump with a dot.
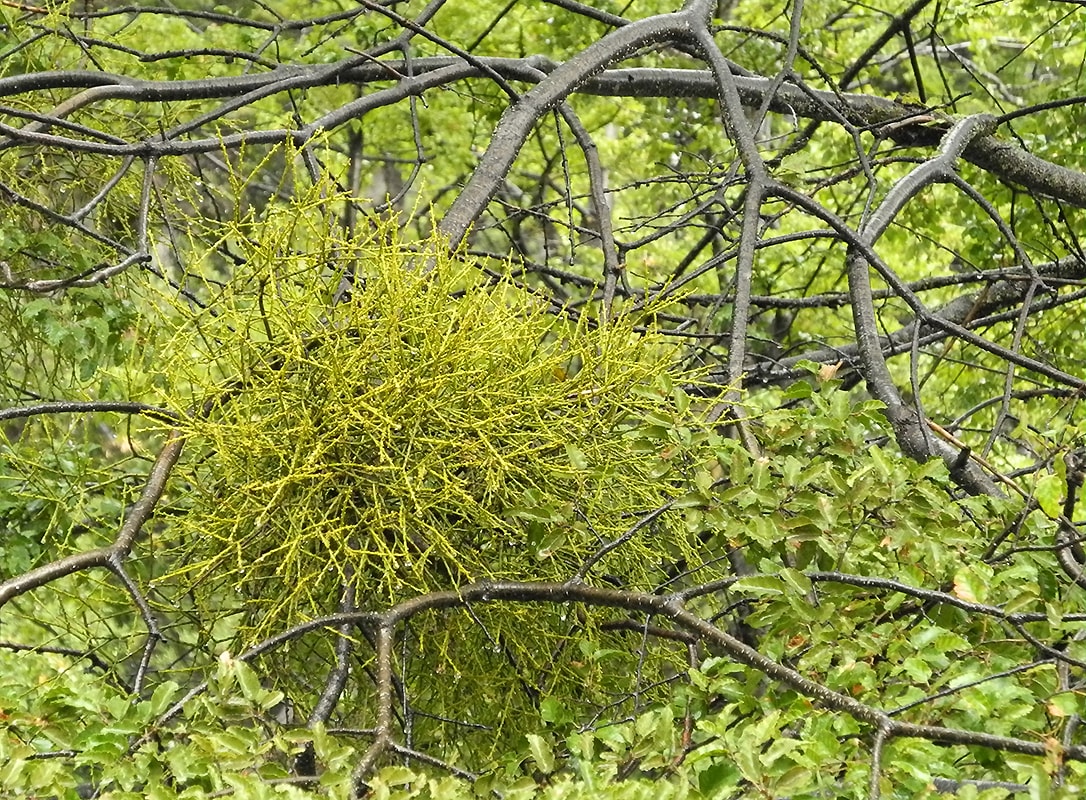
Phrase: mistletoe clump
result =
(433, 430)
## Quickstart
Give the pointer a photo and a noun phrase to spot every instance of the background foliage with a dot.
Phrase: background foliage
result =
(542, 399)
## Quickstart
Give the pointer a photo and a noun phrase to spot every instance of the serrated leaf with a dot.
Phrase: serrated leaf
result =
(883, 466)
(792, 782)
(1022, 601)
(970, 585)
(248, 682)
(1049, 493)
(799, 582)
(553, 711)
(542, 753)
(689, 500)
(761, 584)
(398, 775)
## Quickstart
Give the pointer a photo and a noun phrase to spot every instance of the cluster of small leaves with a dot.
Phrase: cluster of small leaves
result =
(83, 735)
(228, 741)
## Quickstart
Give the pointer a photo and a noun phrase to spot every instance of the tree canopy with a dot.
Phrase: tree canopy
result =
(536, 398)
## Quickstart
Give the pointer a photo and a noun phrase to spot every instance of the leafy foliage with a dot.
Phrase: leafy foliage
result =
(552, 400)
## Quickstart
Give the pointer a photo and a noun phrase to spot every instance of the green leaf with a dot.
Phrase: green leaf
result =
(398, 775)
(971, 583)
(1066, 704)
(792, 782)
(248, 682)
(577, 459)
(715, 778)
(882, 464)
(1049, 493)
(799, 582)
(162, 697)
(542, 753)
(692, 499)
(761, 585)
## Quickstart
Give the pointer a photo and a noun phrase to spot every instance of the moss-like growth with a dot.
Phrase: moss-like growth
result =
(436, 429)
